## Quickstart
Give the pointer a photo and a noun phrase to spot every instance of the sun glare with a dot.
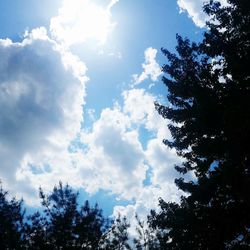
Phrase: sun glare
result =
(82, 20)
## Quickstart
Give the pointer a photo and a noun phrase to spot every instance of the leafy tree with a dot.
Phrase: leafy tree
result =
(11, 222)
(209, 92)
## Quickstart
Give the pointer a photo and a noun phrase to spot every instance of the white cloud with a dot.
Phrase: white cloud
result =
(112, 3)
(113, 158)
(151, 69)
(82, 20)
(42, 90)
(139, 106)
(116, 155)
(194, 9)
(147, 200)
(41, 96)
(162, 160)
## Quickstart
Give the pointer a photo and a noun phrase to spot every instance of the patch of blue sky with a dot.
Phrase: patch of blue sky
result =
(139, 26)
(214, 165)
(145, 136)
(147, 180)
(40, 169)
(19, 15)
(105, 200)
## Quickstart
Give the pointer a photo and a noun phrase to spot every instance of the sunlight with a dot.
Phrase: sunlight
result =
(82, 20)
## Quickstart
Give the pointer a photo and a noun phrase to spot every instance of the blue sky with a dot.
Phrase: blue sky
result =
(78, 81)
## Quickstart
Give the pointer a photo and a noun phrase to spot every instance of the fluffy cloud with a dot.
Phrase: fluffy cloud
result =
(41, 98)
(116, 155)
(151, 69)
(194, 9)
(145, 201)
(139, 106)
(42, 90)
(81, 21)
(42, 142)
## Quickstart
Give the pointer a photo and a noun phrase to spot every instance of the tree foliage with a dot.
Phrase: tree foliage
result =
(146, 237)
(11, 222)
(209, 92)
(117, 238)
(65, 225)
(62, 223)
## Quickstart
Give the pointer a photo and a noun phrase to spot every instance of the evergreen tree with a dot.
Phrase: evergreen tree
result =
(90, 226)
(60, 208)
(146, 239)
(209, 92)
(64, 224)
(117, 237)
(11, 222)
(36, 234)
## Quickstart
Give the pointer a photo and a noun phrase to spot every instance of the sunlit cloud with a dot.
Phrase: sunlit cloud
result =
(42, 91)
(194, 10)
(43, 100)
(82, 20)
(151, 69)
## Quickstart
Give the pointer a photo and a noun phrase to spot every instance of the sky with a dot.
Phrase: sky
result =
(78, 82)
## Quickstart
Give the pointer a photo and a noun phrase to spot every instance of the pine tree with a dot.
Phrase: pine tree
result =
(146, 237)
(11, 222)
(209, 92)
(117, 237)
(64, 224)
(90, 226)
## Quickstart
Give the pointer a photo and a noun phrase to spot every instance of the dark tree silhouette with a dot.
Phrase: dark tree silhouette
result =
(11, 222)
(64, 224)
(36, 234)
(90, 226)
(209, 92)
(146, 237)
(117, 238)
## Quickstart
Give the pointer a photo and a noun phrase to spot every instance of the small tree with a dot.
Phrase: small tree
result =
(147, 237)
(90, 226)
(116, 238)
(60, 208)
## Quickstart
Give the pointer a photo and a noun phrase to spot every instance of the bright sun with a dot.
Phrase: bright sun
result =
(81, 20)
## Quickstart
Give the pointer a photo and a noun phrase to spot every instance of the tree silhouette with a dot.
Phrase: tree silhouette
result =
(209, 92)
(117, 237)
(147, 237)
(11, 222)
(36, 233)
(90, 226)
(64, 224)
